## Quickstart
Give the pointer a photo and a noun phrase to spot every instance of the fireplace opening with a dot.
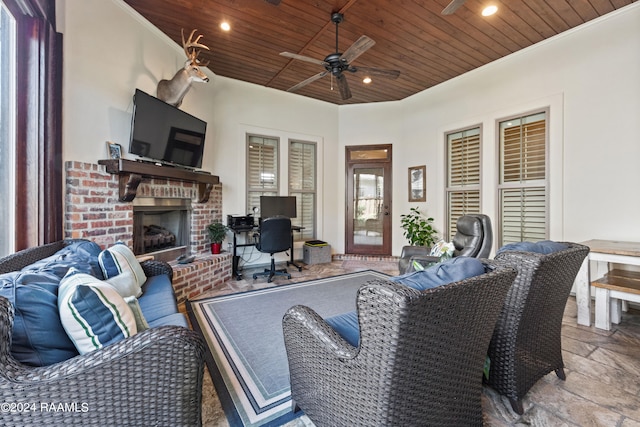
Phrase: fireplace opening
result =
(161, 227)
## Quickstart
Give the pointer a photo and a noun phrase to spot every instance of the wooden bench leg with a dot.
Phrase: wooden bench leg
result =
(603, 307)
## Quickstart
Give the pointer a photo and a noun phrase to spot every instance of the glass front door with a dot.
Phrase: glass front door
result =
(369, 200)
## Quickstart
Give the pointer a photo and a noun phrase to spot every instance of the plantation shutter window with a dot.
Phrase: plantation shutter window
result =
(523, 179)
(302, 185)
(262, 169)
(463, 176)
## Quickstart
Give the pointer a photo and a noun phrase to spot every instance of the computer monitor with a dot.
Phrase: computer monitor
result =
(278, 206)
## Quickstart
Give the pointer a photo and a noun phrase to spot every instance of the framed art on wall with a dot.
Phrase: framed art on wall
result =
(417, 184)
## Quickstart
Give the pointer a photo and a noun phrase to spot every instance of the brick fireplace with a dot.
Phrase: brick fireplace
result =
(94, 211)
(162, 227)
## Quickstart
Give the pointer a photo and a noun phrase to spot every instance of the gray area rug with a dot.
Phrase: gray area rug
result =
(247, 357)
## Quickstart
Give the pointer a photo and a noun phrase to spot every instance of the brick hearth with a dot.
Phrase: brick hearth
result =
(93, 211)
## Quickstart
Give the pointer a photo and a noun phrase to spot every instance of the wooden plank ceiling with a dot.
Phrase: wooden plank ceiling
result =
(412, 36)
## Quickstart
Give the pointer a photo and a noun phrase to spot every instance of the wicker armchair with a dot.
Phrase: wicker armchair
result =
(153, 378)
(419, 360)
(526, 343)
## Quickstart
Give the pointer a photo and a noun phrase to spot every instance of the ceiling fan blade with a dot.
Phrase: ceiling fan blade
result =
(345, 92)
(306, 82)
(391, 74)
(452, 7)
(302, 58)
(356, 49)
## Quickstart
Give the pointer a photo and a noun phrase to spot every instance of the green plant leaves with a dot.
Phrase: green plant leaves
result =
(418, 229)
(217, 232)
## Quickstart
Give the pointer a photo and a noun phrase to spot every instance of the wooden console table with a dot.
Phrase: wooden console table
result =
(609, 251)
(131, 174)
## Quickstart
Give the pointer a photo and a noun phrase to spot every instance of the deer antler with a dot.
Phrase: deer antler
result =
(191, 45)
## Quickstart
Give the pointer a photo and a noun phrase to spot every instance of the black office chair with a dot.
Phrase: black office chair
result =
(274, 237)
(473, 238)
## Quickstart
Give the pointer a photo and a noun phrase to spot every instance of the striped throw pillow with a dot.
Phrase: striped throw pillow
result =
(119, 259)
(92, 312)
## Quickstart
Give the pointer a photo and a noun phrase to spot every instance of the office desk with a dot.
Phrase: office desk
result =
(609, 251)
(291, 260)
(234, 263)
(236, 258)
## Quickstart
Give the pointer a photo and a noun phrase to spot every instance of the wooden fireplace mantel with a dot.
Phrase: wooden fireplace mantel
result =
(131, 173)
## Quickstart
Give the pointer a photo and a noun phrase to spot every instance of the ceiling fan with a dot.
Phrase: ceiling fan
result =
(337, 63)
(452, 7)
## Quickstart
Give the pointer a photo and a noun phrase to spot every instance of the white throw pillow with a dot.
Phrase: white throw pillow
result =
(92, 312)
(134, 305)
(126, 284)
(120, 259)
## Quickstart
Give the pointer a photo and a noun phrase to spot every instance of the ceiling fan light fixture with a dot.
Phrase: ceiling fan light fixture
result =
(489, 10)
(336, 64)
(225, 26)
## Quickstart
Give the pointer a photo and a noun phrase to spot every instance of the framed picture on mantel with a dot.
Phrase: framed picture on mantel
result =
(115, 150)
(417, 184)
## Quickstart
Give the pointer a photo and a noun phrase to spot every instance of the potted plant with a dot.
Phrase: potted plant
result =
(217, 233)
(418, 229)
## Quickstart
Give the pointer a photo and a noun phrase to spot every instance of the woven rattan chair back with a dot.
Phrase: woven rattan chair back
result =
(21, 259)
(526, 343)
(419, 360)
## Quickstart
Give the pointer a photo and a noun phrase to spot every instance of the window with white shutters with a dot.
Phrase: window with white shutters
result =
(523, 179)
(302, 185)
(262, 169)
(463, 176)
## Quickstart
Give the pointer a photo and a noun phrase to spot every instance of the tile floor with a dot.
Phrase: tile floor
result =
(602, 367)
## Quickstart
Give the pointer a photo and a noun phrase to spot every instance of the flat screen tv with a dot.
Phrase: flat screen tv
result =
(164, 133)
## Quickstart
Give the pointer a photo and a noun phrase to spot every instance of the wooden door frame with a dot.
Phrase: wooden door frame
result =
(387, 164)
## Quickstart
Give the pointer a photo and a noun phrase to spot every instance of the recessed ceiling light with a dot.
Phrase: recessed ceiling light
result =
(489, 10)
(225, 26)
(366, 80)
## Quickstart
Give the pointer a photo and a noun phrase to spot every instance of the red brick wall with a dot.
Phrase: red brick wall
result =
(204, 274)
(93, 212)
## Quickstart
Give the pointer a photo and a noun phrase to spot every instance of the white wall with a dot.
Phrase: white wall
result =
(588, 77)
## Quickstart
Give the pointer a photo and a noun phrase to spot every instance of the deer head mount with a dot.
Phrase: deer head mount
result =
(173, 91)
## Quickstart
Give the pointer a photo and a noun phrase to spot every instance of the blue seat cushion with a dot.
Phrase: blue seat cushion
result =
(543, 247)
(347, 326)
(452, 270)
(158, 299)
(175, 319)
(38, 337)
(81, 254)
